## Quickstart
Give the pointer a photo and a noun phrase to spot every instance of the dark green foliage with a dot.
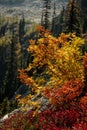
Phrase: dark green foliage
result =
(10, 82)
(53, 29)
(13, 105)
(42, 20)
(84, 48)
(83, 5)
(4, 107)
(7, 106)
(57, 23)
(72, 18)
(13, 56)
(46, 13)
(21, 29)
(3, 29)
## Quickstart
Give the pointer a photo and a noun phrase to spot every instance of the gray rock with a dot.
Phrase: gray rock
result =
(23, 90)
(9, 115)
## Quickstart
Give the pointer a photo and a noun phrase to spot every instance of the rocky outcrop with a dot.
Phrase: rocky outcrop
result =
(9, 115)
(42, 100)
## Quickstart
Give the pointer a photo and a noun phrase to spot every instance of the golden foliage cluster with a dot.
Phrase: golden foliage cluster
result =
(61, 59)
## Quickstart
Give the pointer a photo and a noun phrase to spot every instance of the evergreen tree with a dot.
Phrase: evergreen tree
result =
(3, 25)
(10, 82)
(53, 20)
(83, 4)
(72, 18)
(42, 21)
(61, 21)
(46, 13)
(21, 29)
(57, 23)
(5, 107)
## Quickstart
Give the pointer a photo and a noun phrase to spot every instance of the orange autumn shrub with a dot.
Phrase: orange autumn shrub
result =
(57, 67)
(59, 75)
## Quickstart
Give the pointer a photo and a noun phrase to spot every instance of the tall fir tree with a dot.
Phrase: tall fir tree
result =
(5, 107)
(57, 23)
(10, 82)
(53, 20)
(46, 13)
(21, 29)
(42, 21)
(83, 4)
(72, 18)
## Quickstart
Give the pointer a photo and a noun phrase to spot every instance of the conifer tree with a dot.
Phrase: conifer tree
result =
(5, 106)
(10, 82)
(72, 18)
(53, 20)
(46, 13)
(42, 23)
(57, 23)
(83, 4)
(21, 29)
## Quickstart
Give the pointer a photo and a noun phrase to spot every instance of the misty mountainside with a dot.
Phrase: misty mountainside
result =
(31, 9)
(10, 1)
(23, 1)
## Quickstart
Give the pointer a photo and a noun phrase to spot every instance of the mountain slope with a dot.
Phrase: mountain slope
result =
(31, 9)
(10, 1)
